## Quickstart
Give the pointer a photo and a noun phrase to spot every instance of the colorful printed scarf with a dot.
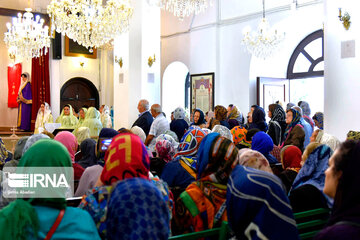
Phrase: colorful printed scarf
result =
(126, 157)
(239, 136)
(319, 117)
(136, 210)
(190, 142)
(165, 150)
(254, 199)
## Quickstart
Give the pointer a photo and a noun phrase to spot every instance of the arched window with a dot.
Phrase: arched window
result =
(307, 59)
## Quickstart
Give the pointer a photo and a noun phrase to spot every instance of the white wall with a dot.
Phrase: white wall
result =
(342, 83)
(213, 44)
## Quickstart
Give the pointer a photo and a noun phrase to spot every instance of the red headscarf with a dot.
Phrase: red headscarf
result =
(126, 157)
(291, 158)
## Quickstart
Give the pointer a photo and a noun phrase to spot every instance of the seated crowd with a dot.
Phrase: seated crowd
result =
(161, 179)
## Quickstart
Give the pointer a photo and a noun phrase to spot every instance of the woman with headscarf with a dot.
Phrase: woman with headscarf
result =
(82, 116)
(66, 118)
(81, 134)
(202, 205)
(234, 116)
(306, 192)
(92, 121)
(24, 99)
(294, 132)
(324, 138)
(165, 152)
(223, 131)
(182, 170)
(220, 117)
(319, 120)
(199, 119)
(341, 184)
(179, 125)
(138, 131)
(254, 159)
(148, 216)
(239, 137)
(43, 116)
(69, 141)
(257, 206)
(32, 218)
(353, 135)
(91, 174)
(87, 148)
(105, 116)
(277, 124)
(126, 158)
(263, 143)
(5, 155)
(291, 163)
(18, 152)
(306, 113)
(258, 119)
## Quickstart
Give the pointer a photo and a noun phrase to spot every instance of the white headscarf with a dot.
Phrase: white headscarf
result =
(22, 83)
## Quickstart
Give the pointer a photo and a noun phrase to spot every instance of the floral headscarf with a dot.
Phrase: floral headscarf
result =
(223, 131)
(239, 136)
(179, 113)
(126, 157)
(165, 150)
(353, 135)
(3, 153)
(254, 159)
(33, 139)
(319, 117)
(291, 158)
(168, 138)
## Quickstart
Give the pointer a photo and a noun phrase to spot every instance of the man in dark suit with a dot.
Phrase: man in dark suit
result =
(145, 118)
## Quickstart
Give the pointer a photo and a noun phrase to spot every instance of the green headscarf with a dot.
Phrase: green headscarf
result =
(81, 120)
(47, 153)
(67, 121)
(92, 121)
(19, 218)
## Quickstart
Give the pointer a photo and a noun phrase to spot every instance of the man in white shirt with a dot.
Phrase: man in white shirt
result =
(159, 126)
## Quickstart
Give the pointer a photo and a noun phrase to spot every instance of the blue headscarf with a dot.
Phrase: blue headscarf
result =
(258, 119)
(305, 107)
(313, 170)
(263, 143)
(204, 152)
(319, 117)
(257, 205)
(137, 210)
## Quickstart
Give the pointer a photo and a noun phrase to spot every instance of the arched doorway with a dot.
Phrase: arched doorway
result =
(79, 92)
(175, 87)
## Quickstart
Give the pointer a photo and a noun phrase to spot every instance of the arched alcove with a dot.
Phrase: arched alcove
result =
(78, 92)
(175, 88)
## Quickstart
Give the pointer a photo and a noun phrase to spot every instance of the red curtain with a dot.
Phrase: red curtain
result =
(14, 78)
(40, 84)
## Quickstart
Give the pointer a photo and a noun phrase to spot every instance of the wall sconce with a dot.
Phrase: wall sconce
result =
(119, 61)
(151, 60)
(345, 19)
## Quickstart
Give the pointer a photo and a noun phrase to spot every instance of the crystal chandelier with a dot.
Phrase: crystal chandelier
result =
(26, 37)
(182, 8)
(263, 42)
(89, 22)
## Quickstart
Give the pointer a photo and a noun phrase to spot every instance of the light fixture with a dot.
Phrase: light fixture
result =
(182, 8)
(345, 19)
(151, 60)
(263, 42)
(119, 61)
(89, 22)
(27, 37)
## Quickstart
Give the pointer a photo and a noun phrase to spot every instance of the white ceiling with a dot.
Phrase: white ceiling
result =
(240, 7)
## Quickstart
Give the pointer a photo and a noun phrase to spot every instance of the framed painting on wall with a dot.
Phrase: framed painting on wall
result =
(202, 91)
(73, 49)
(271, 90)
